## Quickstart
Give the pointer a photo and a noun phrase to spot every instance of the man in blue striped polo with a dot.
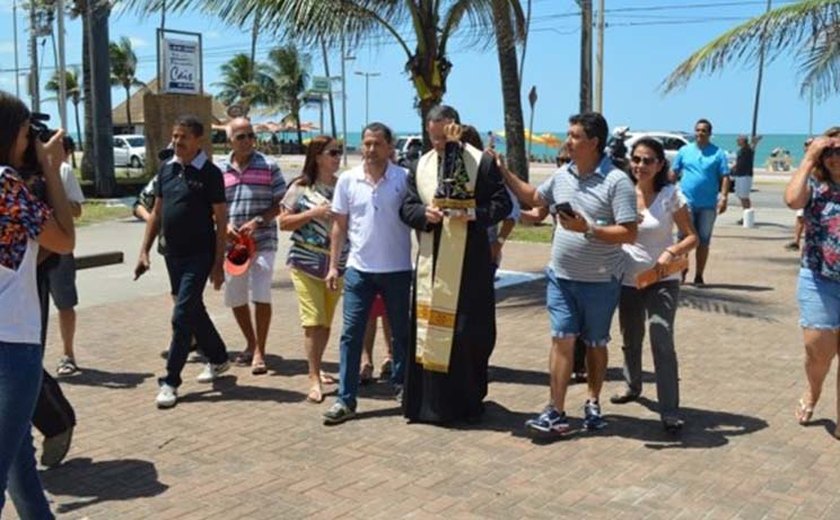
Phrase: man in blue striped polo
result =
(254, 187)
(596, 208)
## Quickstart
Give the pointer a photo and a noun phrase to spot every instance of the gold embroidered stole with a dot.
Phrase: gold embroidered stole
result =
(438, 286)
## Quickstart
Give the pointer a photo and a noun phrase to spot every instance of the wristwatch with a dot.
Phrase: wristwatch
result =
(589, 234)
(259, 220)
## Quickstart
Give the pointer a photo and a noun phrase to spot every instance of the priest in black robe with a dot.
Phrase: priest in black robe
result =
(455, 193)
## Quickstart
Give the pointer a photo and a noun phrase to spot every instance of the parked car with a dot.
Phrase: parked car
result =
(408, 148)
(671, 141)
(129, 150)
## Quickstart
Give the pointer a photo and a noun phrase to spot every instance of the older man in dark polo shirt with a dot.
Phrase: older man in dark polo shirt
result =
(190, 206)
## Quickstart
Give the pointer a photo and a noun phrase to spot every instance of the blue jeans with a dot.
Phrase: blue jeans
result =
(188, 276)
(20, 382)
(360, 289)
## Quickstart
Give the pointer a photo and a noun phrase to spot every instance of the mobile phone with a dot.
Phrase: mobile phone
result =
(565, 208)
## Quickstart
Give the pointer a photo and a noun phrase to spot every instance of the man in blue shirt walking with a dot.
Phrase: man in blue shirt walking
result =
(703, 172)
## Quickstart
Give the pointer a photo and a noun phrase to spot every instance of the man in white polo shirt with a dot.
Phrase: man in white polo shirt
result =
(366, 209)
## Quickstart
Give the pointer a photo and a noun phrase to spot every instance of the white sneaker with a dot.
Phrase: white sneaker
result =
(211, 372)
(167, 396)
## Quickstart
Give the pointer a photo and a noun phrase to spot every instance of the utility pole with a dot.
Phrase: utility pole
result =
(330, 94)
(34, 82)
(344, 58)
(754, 130)
(599, 62)
(17, 64)
(62, 66)
(585, 55)
(367, 76)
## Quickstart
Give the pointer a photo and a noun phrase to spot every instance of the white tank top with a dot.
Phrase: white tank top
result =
(20, 310)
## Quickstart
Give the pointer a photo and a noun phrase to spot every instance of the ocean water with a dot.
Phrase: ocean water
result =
(790, 142)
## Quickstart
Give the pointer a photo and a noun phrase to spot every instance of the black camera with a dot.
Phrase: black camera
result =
(31, 170)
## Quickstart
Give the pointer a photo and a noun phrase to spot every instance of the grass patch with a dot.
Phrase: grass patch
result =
(93, 212)
(541, 233)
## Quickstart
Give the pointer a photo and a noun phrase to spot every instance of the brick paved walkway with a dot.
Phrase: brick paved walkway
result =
(250, 447)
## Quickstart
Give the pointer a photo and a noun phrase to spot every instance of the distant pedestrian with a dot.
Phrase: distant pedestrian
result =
(742, 172)
(815, 187)
(254, 187)
(190, 207)
(62, 277)
(703, 173)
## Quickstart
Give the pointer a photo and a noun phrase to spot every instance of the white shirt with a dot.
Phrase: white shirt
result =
(71, 184)
(656, 232)
(379, 241)
(20, 320)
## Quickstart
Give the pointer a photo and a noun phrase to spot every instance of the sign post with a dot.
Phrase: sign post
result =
(180, 61)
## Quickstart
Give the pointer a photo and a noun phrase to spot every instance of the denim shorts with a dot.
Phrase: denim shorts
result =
(704, 222)
(63, 282)
(582, 309)
(819, 301)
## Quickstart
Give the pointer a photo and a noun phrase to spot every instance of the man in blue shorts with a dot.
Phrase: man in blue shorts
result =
(703, 172)
(596, 208)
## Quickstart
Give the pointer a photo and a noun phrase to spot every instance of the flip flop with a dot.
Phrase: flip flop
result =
(804, 412)
(243, 359)
(328, 379)
(315, 395)
(259, 368)
(366, 374)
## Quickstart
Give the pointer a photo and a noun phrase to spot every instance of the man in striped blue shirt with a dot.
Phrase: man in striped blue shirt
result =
(254, 187)
(596, 208)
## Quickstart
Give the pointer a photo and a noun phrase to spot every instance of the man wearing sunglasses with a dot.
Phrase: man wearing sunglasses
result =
(254, 187)
(701, 168)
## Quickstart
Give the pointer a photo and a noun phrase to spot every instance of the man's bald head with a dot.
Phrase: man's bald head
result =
(238, 125)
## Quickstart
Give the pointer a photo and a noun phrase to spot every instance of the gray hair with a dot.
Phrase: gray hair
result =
(233, 122)
(441, 112)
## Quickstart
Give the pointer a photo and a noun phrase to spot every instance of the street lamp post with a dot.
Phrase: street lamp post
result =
(344, 58)
(367, 76)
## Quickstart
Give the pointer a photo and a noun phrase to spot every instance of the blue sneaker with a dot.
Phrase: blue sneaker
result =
(549, 421)
(592, 418)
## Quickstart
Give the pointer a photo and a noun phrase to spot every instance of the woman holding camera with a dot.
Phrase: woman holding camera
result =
(815, 187)
(661, 207)
(26, 224)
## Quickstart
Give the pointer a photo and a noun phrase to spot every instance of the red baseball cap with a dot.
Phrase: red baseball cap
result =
(238, 257)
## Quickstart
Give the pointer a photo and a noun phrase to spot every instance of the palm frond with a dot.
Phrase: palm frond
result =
(775, 32)
(820, 65)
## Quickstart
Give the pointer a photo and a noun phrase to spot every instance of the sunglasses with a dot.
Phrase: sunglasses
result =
(247, 135)
(335, 152)
(834, 151)
(647, 161)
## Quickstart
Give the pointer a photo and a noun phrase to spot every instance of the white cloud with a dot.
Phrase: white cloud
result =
(212, 35)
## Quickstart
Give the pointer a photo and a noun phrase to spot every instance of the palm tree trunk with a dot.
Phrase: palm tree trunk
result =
(511, 93)
(128, 108)
(299, 131)
(88, 160)
(78, 129)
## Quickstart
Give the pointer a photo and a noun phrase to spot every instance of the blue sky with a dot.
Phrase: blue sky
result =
(645, 40)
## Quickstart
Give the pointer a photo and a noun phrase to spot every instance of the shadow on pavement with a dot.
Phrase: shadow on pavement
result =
(710, 300)
(521, 295)
(113, 380)
(703, 428)
(498, 374)
(102, 481)
(735, 287)
(761, 238)
(226, 389)
(829, 425)
(280, 366)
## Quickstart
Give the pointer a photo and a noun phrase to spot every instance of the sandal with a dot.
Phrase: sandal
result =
(366, 374)
(244, 358)
(315, 395)
(327, 379)
(804, 412)
(66, 366)
(385, 369)
(259, 368)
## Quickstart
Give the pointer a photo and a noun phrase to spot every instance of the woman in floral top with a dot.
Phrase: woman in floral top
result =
(815, 187)
(305, 210)
(25, 224)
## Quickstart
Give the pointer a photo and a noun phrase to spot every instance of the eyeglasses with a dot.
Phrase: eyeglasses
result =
(335, 152)
(647, 161)
(834, 151)
(247, 135)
